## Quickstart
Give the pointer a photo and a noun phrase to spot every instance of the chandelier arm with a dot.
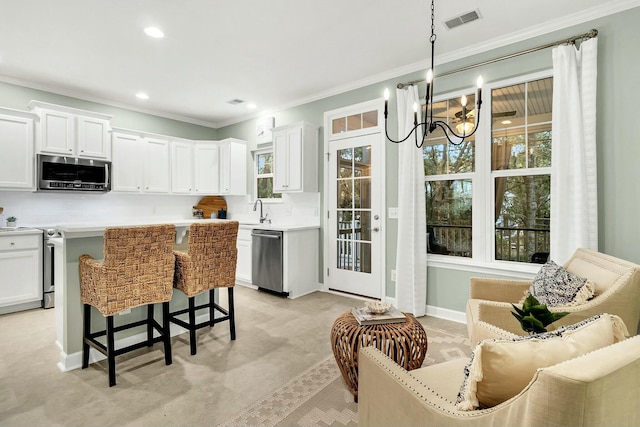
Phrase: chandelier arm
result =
(448, 131)
(386, 131)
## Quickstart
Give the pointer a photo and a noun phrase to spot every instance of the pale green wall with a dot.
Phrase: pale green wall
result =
(18, 97)
(618, 92)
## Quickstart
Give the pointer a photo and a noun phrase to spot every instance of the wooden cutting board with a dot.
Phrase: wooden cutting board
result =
(210, 204)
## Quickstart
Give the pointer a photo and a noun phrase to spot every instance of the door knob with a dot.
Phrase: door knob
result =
(376, 217)
(376, 229)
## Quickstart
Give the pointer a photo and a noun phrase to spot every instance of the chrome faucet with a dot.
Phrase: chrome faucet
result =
(255, 207)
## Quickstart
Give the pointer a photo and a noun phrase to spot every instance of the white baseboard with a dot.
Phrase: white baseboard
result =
(447, 314)
(69, 362)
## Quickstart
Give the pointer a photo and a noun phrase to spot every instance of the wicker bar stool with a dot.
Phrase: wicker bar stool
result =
(137, 270)
(208, 264)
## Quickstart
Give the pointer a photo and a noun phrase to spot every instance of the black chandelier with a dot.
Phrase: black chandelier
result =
(428, 124)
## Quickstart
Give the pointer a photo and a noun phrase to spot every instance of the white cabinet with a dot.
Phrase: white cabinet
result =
(182, 170)
(295, 158)
(156, 168)
(300, 262)
(17, 148)
(140, 164)
(127, 157)
(207, 168)
(71, 132)
(233, 167)
(20, 271)
(243, 265)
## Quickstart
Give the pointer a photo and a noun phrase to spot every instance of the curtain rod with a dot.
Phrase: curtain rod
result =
(585, 36)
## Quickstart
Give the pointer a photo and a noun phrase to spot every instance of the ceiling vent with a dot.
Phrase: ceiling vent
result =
(236, 101)
(465, 18)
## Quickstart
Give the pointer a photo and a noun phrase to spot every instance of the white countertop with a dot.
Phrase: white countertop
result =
(6, 231)
(93, 229)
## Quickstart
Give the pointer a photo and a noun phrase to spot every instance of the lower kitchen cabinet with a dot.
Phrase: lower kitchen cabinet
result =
(20, 272)
(243, 265)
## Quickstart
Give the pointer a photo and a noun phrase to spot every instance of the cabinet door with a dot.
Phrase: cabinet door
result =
(207, 161)
(126, 163)
(280, 162)
(181, 167)
(93, 138)
(243, 265)
(56, 133)
(19, 277)
(16, 146)
(287, 159)
(156, 170)
(233, 167)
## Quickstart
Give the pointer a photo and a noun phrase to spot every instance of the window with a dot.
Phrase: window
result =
(264, 175)
(514, 165)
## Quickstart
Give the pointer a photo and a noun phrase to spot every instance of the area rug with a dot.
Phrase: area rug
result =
(320, 397)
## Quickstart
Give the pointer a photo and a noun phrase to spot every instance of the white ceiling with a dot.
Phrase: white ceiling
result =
(276, 53)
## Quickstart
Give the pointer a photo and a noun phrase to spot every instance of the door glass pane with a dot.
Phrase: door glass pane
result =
(362, 219)
(362, 161)
(345, 165)
(345, 193)
(362, 193)
(344, 261)
(362, 255)
(345, 225)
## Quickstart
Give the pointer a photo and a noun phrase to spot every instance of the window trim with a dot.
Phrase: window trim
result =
(482, 178)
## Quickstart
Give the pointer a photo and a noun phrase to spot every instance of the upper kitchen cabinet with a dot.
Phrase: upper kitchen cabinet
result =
(209, 167)
(16, 146)
(233, 167)
(68, 131)
(295, 158)
(140, 163)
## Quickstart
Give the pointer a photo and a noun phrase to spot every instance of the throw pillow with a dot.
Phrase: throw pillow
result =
(554, 286)
(501, 368)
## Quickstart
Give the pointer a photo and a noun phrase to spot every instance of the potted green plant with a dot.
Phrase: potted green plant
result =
(11, 221)
(535, 317)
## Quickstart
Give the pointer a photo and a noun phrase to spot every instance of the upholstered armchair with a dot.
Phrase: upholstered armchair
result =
(595, 389)
(617, 291)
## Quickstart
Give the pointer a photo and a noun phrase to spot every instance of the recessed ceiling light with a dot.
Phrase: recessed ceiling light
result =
(154, 32)
(506, 122)
(142, 95)
(252, 106)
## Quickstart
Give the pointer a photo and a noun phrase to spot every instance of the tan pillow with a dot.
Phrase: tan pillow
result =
(501, 368)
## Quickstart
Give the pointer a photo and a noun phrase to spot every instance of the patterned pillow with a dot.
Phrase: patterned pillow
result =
(501, 368)
(554, 286)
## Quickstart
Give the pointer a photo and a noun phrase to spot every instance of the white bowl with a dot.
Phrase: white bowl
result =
(377, 307)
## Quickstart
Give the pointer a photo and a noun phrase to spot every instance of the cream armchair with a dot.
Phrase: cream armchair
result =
(617, 289)
(595, 389)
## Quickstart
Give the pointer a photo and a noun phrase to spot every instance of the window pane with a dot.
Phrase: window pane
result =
(344, 163)
(362, 161)
(539, 101)
(354, 122)
(345, 193)
(265, 189)
(370, 119)
(522, 211)
(339, 125)
(449, 217)
(508, 150)
(362, 193)
(540, 146)
(265, 162)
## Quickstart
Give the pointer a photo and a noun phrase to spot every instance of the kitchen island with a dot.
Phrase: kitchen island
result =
(87, 238)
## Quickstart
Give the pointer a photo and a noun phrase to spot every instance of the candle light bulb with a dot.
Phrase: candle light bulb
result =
(429, 75)
(463, 100)
(415, 107)
(479, 82)
(386, 94)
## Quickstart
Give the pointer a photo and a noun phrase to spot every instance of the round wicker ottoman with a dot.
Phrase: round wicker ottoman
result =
(405, 343)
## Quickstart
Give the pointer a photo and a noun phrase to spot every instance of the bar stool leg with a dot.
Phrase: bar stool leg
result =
(192, 325)
(166, 333)
(149, 325)
(212, 308)
(86, 330)
(232, 315)
(111, 352)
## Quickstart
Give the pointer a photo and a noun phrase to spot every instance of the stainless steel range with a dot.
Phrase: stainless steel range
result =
(48, 278)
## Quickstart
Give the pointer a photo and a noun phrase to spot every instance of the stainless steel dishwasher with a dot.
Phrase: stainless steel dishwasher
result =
(266, 260)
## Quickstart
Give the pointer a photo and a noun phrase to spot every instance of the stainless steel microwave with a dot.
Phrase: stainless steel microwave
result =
(63, 173)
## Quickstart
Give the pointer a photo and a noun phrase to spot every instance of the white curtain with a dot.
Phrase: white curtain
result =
(574, 196)
(411, 255)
